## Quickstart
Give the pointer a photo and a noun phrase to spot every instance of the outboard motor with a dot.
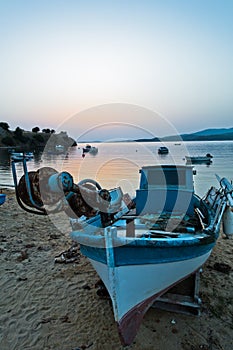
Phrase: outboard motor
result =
(227, 222)
(227, 219)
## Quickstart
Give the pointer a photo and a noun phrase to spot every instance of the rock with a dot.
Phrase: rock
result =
(222, 267)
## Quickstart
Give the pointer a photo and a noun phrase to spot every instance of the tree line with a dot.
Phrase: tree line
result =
(11, 138)
(18, 130)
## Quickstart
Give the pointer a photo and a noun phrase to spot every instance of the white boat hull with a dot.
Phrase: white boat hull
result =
(135, 283)
(134, 288)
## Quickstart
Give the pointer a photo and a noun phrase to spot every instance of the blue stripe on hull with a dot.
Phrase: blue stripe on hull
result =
(139, 255)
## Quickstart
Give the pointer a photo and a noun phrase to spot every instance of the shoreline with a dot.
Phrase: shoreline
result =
(46, 305)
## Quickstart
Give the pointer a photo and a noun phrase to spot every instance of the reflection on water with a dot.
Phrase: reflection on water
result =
(118, 164)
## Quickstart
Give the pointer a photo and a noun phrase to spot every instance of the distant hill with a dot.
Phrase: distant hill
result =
(209, 135)
(212, 132)
(221, 134)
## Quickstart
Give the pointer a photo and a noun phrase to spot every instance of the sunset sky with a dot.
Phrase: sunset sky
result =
(61, 59)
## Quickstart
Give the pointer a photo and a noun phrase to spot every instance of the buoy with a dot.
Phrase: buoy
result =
(227, 221)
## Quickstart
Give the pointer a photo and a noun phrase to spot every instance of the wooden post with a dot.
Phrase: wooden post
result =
(130, 228)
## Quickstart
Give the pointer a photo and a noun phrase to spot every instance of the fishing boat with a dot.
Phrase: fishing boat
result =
(163, 150)
(167, 237)
(142, 246)
(90, 149)
(60, 149)
(199, 159)
(2, 198)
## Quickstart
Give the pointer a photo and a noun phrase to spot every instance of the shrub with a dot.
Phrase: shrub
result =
(8, 141)
(46, 131)
(36, 129)
(4, 125)
(38, 138)
(18, 132)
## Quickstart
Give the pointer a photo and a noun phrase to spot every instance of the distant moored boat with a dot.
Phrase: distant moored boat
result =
(163, 150)
(199, 159)
(90, 149)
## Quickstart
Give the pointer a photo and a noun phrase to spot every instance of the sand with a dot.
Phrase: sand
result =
(46, 305)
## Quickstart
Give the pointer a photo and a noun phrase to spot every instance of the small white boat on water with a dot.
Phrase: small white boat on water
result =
(60, 149)
(22, 155)
(139, 247)
(199, 159)
(90, 149)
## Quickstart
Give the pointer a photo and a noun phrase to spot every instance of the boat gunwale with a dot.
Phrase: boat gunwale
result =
(182, 239)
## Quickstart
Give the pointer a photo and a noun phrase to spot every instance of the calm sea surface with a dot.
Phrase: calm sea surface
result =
(118, 164)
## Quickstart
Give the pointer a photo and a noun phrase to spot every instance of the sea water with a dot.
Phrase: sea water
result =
(118, 163)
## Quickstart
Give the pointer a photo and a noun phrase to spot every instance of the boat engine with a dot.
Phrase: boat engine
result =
(227, 219)
(221, 201)
(227, 222)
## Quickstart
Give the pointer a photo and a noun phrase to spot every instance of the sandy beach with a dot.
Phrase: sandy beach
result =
(46, 305)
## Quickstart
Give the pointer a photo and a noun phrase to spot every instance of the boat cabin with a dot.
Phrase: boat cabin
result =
(165, 189)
